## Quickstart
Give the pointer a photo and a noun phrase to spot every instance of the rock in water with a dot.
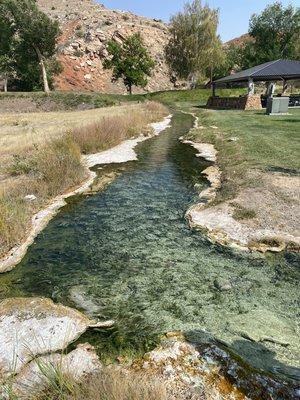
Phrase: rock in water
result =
(78, 295)
(34, 326)
(222, 284)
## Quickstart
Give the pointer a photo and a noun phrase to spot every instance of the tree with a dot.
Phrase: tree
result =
(217, 59)
(276, 34)
(194, 47)
(129, 61)
(7, 69)
(35, 31)
(7, 47)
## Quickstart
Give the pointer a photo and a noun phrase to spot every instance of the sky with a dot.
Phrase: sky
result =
(234, 14)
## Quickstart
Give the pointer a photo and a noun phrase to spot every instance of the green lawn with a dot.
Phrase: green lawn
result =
(263, 142)
(72, 100)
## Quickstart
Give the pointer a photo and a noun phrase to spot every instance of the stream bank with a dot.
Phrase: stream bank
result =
(217, 221)
(119, 154)
(127, 254)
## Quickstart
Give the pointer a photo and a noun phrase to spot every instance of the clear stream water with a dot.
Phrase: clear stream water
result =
(128, 252)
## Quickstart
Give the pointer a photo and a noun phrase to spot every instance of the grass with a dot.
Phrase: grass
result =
(36, 173)
(21, 132)
(108, 384)
(39, 158)
(248, 140)
(241, 212)
(110, 131)
(74, 101)
(191, 97)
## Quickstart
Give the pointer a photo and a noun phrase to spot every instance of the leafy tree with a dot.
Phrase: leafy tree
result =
(276, 33)
(7, 47)
(194, 47)
(232, 60)
(35, 31)
(7, 69)
(129, 61)
(217, 59)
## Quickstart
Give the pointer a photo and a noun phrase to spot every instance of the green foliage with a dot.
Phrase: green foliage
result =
(232, 60)
(35, 39)
(130, 61)
(194, 47)
(7, 46)
(277, 35)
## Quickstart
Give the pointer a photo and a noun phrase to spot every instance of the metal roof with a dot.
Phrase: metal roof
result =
(272, 70)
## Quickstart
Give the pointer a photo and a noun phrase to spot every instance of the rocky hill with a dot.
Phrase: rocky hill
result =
(240, 41)
(86, 28)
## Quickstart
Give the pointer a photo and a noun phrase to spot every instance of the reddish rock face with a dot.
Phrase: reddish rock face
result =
(86, 29)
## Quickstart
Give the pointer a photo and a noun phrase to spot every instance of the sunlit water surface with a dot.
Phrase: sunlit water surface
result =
(128, 251)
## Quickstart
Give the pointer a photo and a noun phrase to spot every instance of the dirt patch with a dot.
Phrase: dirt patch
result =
(262, 218)
(276, 203)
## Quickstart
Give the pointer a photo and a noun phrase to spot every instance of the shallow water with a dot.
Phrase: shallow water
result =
(127, 253)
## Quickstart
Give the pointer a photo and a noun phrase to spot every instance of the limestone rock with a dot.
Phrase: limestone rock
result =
(81, 299)
(34, 377)
(34, 326)
(30, 197)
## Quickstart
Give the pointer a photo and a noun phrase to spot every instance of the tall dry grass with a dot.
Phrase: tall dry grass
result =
(52, 167)
(109, 384)
(45, 172)
(111, 130)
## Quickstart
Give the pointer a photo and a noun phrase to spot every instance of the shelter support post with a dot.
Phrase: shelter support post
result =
(270, 89)
(284, 86)
(213, 88)
(251, 87)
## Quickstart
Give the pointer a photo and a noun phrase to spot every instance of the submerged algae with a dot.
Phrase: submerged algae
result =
(131, 251)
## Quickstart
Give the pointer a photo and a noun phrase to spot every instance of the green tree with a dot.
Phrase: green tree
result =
(232, 60)
(276, 33)
(35, 31)
(7, 69)
(129, 61)
(194, 47)
(7, 48)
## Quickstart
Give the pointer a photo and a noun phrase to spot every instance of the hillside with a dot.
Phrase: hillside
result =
(86, 28)
(240, 41)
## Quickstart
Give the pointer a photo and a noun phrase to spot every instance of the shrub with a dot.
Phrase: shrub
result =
(110, 131)
(45, 172)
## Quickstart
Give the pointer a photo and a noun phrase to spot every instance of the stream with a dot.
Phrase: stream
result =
(128, 253)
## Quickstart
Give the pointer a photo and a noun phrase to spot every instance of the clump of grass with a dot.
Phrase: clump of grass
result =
(110, 131)
(270, 241)
(45, 172)
(108, 384)
(241, 212)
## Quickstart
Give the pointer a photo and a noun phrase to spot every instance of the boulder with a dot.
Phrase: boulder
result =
(30, 327)
(35, 376)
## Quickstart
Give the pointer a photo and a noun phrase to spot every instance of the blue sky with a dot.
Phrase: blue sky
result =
(234, 14)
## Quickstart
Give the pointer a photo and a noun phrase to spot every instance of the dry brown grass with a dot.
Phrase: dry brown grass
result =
(109, 384)
(44, 172)
(110, 131)
(46, 161)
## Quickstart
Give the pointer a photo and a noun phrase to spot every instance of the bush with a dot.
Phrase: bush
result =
(110, 131)
(45, 172)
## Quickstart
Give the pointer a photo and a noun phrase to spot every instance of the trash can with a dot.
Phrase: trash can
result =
(277, 105)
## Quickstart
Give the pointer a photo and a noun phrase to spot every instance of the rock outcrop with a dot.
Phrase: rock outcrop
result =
(86, 29)
(31, 327)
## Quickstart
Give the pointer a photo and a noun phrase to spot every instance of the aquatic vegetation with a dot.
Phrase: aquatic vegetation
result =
(130, 251)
